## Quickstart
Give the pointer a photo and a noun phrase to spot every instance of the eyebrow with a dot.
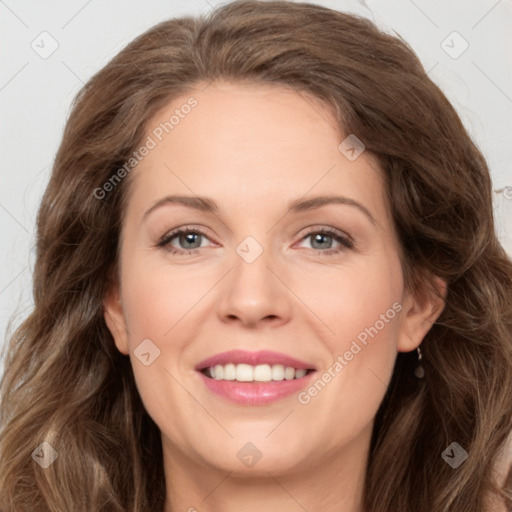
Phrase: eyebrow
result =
(208, 205)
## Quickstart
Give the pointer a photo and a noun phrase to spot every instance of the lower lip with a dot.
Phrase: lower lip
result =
(255, 393)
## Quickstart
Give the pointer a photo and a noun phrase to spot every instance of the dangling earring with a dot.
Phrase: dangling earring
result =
(419, 371)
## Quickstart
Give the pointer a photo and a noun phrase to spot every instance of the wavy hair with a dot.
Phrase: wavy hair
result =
(66, 383)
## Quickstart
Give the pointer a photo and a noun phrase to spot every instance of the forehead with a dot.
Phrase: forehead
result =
(247, 142)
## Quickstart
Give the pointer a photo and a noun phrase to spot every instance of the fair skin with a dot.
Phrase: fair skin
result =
(253, 149)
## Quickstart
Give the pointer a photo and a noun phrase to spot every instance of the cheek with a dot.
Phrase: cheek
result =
(154, 302)
(361, 306)
(156, 297)
(363, 310)
(355, 298)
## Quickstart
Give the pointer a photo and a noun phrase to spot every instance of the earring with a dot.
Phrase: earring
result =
(419, 371)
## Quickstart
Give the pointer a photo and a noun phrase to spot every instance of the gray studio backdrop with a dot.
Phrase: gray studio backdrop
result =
(50, 49)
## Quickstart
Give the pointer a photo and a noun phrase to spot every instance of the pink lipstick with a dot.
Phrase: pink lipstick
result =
(254, 378)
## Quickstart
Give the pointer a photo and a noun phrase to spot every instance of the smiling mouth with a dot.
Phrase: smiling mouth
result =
(255, 373)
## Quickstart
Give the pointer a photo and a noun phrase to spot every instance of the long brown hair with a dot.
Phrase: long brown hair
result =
(66, 383)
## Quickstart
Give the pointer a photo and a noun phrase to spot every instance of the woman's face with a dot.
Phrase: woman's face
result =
(283, 277)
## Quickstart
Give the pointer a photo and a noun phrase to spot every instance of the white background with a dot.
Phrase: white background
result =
(36, 93)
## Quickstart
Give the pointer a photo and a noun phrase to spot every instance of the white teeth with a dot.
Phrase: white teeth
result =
(277, 372)
(300, 373)
(244, 373)
(262, 373)
(258, 373)
(289, 373)
(219, 372)
(229, 372)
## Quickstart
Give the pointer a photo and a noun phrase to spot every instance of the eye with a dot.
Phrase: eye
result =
(321, 238)
(188, 238)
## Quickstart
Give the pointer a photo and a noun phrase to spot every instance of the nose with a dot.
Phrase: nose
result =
(255, 293)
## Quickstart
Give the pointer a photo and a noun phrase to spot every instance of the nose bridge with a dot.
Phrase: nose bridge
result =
(253, 292)
(251, 275)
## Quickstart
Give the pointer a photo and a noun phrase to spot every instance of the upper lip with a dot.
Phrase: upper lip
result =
(253, 358)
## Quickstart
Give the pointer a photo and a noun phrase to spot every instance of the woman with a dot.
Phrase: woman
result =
(258, 368)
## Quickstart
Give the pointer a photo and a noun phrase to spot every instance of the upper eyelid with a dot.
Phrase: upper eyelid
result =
(328, 229)
(187, 227)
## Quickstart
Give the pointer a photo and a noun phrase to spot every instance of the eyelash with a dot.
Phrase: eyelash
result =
(346, 242)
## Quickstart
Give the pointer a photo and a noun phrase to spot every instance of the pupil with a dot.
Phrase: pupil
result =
(319, 237)
(189, 238)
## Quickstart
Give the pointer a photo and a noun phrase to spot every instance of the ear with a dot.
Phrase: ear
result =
(114, 318)
(420, 311)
